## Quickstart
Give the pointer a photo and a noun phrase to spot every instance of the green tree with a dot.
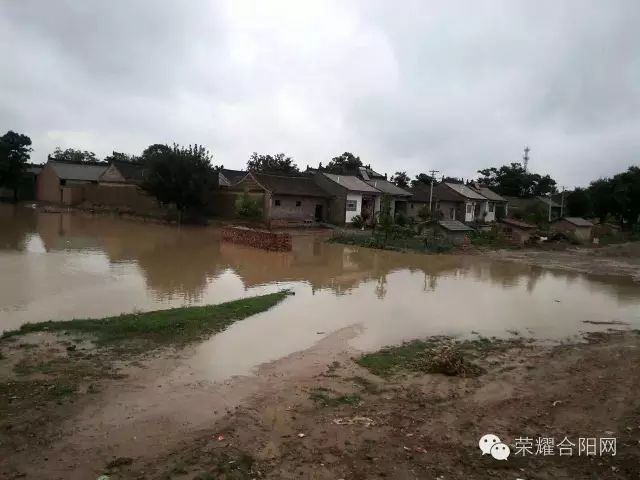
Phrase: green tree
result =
(278, 163)
(122, 157)
(385, 219)
(247, 207)
(179, 175)
(15, 150)
(601, 195)
(626, 196)
(422, 179)
(578, 203)
(73, 155)
(401, 179)
(345, 164)
(515, 181)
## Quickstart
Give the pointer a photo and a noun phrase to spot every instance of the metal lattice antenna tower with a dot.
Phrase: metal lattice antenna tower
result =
(525, 157)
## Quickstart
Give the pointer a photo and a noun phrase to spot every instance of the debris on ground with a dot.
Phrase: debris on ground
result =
(445, 359)
(366, 421)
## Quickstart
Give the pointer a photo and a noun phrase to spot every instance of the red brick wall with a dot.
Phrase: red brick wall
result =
(279, 242)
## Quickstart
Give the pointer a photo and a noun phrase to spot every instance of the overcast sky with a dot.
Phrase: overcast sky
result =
(406, 85)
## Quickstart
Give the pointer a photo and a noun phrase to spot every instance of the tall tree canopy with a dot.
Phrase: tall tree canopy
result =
(421, 179)
(278, 163)
(73, 155)
(401, 179)
(515, 181)
(577, 203)
(179, 175)
(15, 149)
(345, 164)
(122, 157)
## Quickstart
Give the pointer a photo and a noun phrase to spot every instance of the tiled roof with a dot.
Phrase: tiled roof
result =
(454, 226)
(548, 201)
(489, 194)
(290, 185)
(130, 171)
(351, 183)
(386, 186)
(420, 194)
(578, 221)
(517, 223)
(465, 191)
(89, 172)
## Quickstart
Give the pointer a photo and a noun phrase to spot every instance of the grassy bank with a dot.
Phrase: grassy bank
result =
(176, 325)
(434, 355)
(402, 240)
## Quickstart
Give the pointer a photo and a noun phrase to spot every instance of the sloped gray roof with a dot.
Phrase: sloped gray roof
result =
(351, 183)
(548, 201)
(465, 191)
(89, 172)
(290, 185)
(454, 226)
(578, 221)
(387, 187)
(490, 194)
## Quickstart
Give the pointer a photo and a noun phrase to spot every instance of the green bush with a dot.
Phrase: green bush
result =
(247, 207)
(401, 219)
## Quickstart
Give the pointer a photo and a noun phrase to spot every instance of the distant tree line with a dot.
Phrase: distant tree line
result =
(184, 175)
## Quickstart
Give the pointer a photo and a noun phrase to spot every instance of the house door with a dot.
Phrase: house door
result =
(318, 214)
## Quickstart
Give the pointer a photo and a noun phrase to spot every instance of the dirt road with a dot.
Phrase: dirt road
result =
(317, 414)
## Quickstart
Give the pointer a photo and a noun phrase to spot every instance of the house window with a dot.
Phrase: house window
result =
(469, 208)
(412, 206)
(276, 203)
(491, 206)
(298, 203)
(352, 205)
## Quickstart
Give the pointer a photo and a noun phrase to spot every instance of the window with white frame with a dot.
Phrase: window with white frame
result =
(352, 205)
(492, 206)
(469, 208)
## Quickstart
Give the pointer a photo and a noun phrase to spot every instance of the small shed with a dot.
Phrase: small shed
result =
(516, 230)
(454, 230)
(579, 227)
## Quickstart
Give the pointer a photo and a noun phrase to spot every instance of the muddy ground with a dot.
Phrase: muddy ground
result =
(69, 411)
(621, 260)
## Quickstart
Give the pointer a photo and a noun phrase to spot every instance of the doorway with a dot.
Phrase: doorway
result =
(318, 213)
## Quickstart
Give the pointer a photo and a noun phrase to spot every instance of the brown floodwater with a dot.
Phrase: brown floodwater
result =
(56, 266)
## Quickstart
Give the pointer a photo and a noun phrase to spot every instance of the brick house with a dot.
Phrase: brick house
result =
(516, 230)
(577, 226)
(348, 196)
(64, 182)
(285, 200)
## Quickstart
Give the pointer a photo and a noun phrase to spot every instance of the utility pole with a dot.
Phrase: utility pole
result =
(562, 203)
(432, 172)
(525, 158)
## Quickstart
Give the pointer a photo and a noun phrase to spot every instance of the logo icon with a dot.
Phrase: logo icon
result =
(487, 442)
(500, 451)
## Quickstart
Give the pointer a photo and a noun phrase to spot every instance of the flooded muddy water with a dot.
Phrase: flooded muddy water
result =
(62, 266)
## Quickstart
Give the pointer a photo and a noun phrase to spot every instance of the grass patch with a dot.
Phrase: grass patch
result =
(434, 355)
(176, 325)
(322, 397)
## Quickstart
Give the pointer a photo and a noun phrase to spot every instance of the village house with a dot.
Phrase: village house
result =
(63, 182)
(456, 201)
(543, 207)
(453, 230)
(122, 174)
(226, 177)
(418, 201)
(285, 200)
(495, 207)
(577, 226)
(516, 230)
(349, 196)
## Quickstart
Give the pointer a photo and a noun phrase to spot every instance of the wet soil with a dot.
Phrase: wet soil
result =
(621, 260)
(315, 414)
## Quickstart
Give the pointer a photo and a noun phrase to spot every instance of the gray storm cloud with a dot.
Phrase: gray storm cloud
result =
(411, 85)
